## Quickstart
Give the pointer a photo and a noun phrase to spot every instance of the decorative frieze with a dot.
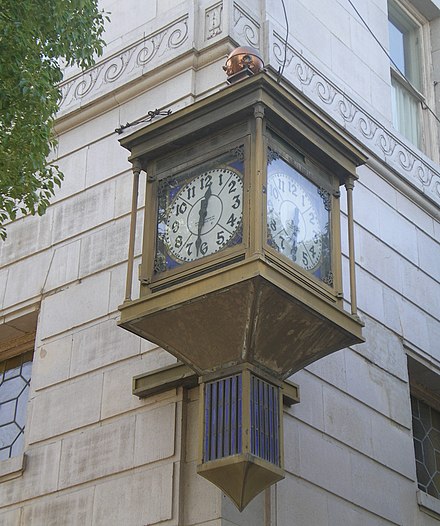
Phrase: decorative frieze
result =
(246, 29)
(368, 129)
(126, 65)
(213, 21)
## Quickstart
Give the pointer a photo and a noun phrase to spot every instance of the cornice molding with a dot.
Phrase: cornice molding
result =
(410, 164)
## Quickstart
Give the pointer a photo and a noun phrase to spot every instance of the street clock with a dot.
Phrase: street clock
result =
(241, 265)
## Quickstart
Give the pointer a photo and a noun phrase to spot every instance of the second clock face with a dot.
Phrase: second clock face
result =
(298, 219)
(204, 215)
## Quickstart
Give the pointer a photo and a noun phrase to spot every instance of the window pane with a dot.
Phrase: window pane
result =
(426, 431)
(405, 109)
(14, 392)
(397, 49)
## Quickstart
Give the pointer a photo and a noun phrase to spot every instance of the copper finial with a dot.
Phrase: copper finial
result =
(243, 62)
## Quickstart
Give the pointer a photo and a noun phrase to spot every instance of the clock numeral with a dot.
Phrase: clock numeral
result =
(232, 185)
(282, 244)
(220, 238)
(191, 192)
(175, 226)
(293, 189)
(205, 181)
(188, 248)
(273, 225)
(274, 192)
(312, 218)
(181, 208)
(281, 185)
(232, 220)
(237, 202)
(178, 242)
(220, 178)
(305, 259)
(312, 251)
(204, 248)
(315, 238)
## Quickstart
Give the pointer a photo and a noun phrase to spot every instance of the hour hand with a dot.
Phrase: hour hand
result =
(203, 212)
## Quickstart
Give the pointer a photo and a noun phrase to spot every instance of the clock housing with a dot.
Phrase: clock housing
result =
(241, 258)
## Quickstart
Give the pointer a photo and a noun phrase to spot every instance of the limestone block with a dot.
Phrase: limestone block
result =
(51, 362)
(192, 437)
(84, 211)
(378, 489)
(428, 254)
(81, 136)
(342, 512)
(60, 409)
(378, 389)
(203, 500)
(291, 444)
(4, 272)
(252, 514)
(101, 344)
(74, 305)
(350, 69)
(380, 260)
(365, 204)
(125, 19)
(381, 95)
(347, 420)
(26, 236)
(416, 215)
(117, 289)
(369, 294)
(105, 247)
(383, 348)
(105, 158)
(324, 462)
(304, 502)
(68, 509)
(155, 434)
(97, 452)
(73, 166)
(39, 478)
(26, 278)
(117, 394)
(422, 290)
(331, 369)
(143, 497)
(310, 409)
(63, 267)
(11, 518)
(393, 446)
(398, 233)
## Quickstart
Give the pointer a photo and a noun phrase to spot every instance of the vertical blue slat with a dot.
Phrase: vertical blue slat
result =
(239, 414)
(261, 418)
(271, 433)
(277, 427)
(220, 419)
(234, 399)
(213, 421)
(266, 388)
(227, 440)
(206, 455)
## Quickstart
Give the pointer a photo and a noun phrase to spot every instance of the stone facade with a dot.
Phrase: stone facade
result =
(97, 455)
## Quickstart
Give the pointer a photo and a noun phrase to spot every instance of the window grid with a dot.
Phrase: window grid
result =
(15, 376)
(426, 434)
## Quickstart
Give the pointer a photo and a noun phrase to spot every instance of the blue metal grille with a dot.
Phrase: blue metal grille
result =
(223, 418)
(265, 434)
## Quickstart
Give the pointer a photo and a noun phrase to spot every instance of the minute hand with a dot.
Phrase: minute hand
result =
(203, 212)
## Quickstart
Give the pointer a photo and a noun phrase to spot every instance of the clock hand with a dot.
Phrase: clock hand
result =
(294, 235)
(203, 212)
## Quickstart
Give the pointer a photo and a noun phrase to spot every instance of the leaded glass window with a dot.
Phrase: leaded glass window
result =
(426, 433)
(15, 377)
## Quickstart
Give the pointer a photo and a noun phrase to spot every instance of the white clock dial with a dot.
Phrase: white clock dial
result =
(293, 224)
(204, 215)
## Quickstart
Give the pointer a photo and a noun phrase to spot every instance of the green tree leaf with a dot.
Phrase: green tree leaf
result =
(35, 36)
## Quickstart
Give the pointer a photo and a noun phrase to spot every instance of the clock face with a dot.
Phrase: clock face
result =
(298, 219)
(203, 215)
